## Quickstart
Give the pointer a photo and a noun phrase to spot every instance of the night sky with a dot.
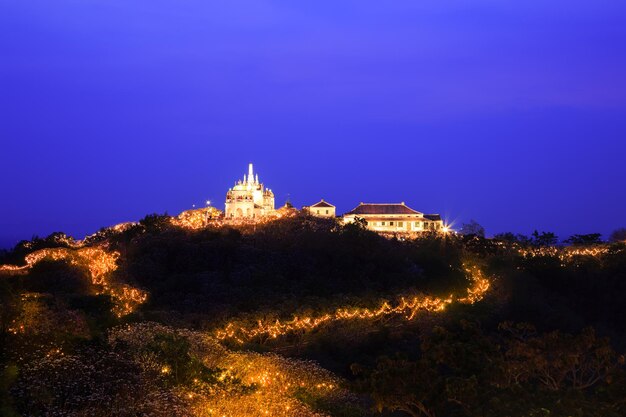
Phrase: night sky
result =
(509, 113)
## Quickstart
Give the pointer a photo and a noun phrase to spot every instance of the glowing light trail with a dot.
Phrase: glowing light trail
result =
(406, 307)
(564, 254)
(100, 264)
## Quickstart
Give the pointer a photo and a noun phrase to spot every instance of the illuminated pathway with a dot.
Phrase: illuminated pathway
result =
(407, 308)
(100, 264)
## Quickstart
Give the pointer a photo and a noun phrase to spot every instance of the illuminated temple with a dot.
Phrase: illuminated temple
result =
(249, 199)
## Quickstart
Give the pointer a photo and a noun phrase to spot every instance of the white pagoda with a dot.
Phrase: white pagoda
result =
(249, 199)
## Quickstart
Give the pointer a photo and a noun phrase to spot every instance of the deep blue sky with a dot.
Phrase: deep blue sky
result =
(510, 113)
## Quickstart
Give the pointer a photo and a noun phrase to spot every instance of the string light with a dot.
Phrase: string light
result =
(564, 254)
(408, 308)
(197, 219)
(100, 264)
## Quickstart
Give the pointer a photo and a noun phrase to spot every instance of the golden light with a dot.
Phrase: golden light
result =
(564, 254)
(100, 263)
(197, 218)
(406, 308)
(448, 226)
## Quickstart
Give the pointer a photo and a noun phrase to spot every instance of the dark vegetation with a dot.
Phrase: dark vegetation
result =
(289, 263)
(546, 341)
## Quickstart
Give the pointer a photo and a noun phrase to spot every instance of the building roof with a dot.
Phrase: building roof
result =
(433, 217)
(322, 203)
(393, 208)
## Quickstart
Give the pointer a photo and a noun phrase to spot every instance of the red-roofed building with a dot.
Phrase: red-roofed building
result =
(394, 218)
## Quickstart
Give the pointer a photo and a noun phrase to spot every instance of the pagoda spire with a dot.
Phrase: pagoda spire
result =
(250, 174)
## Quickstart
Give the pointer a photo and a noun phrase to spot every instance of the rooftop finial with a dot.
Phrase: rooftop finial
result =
(250, 174)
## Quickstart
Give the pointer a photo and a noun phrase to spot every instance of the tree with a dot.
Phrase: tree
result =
(444, 380)
(505, 237)
(472, 228)
(512, 238)
(24, 247)
(589, 239)
(360, 222)
(358, 225)
(179, 366)
(544, 239)
(59, 278)
(398, 384)
(58, 239)
(558, 361)
(618, 235)
(154, 223)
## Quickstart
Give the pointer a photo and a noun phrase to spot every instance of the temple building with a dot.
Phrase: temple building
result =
(321, 209)
(249, 199)
(394, 218)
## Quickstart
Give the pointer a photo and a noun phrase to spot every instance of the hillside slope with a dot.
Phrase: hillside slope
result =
(223, 319)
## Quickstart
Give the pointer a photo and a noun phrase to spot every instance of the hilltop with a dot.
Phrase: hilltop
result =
(201, 317)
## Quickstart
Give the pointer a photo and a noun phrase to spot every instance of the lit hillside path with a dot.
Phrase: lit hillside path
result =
(406, 308)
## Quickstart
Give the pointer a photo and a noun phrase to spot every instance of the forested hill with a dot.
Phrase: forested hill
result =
(224, 319)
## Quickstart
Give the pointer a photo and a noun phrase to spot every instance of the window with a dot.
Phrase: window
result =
(326, 211)
(317, 211)
(390, 223)
(400, 224)
(417, 224)
(382, 223)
